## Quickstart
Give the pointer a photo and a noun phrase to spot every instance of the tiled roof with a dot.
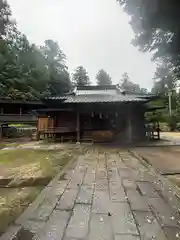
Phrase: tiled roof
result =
(100, 94)
(100, 90)
(95, 98)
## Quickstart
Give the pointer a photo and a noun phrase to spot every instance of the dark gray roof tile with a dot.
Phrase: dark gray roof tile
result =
(100, 98)
(100, 94)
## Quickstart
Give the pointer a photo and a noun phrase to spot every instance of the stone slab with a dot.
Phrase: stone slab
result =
(144, 175)
(117, 193)
(59, 187)
(55, 226)
(101, 173)
(79, 222)
(17, 233)
(171, 197)
(85, 194)
(72, 239)
(164, 212)
(126, 237)
(67, 200)
(101, 202)
(129, 184)
(148, 226)
(11, 233)
(137, 202)
(78, 177)
(89, 178)
(147, 189)
(172, 233)
(44, 203)
(100, 227)
(101, 161)
(45, 193)
(113, 159)
(33, 226)
(111, 163)
(174, 202)
(113, 174)
(125, 173)
(122, 219)
(158, 184)
(43, 212)
(101, 184)
(64, 207)
(55, 180)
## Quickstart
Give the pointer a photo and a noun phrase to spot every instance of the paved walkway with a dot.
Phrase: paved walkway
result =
(103, 196)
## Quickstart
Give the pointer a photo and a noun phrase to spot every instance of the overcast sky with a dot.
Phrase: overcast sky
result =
(92, 33)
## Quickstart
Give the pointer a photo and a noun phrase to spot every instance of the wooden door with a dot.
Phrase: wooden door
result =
(43, 123)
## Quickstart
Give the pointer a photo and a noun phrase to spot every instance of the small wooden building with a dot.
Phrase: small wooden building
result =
(97, 113)
(18, 111)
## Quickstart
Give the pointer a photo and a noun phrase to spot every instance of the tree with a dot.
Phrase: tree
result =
(5, 15)
(27, 71)
(156, 27)
(80, 77)
(128, 86)
(103, 78)
(165, 82)
(21, 75)
(56, 65)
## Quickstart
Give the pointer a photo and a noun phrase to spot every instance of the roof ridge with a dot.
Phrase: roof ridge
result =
(97, 87)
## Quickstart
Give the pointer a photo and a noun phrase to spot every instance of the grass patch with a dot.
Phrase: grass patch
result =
(29, 163)
(8, 144)
(13, 202)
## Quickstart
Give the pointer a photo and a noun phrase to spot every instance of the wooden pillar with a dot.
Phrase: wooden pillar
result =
(20, 111)
(1, 133)
(38, 136)
(78, 126)
(130, 132)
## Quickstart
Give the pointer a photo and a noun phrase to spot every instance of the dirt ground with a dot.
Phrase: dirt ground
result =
(24, 171)
(171, 137)
(171, 134)
(164, 159)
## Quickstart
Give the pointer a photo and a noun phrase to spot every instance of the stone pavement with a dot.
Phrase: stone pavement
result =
(105, 195)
